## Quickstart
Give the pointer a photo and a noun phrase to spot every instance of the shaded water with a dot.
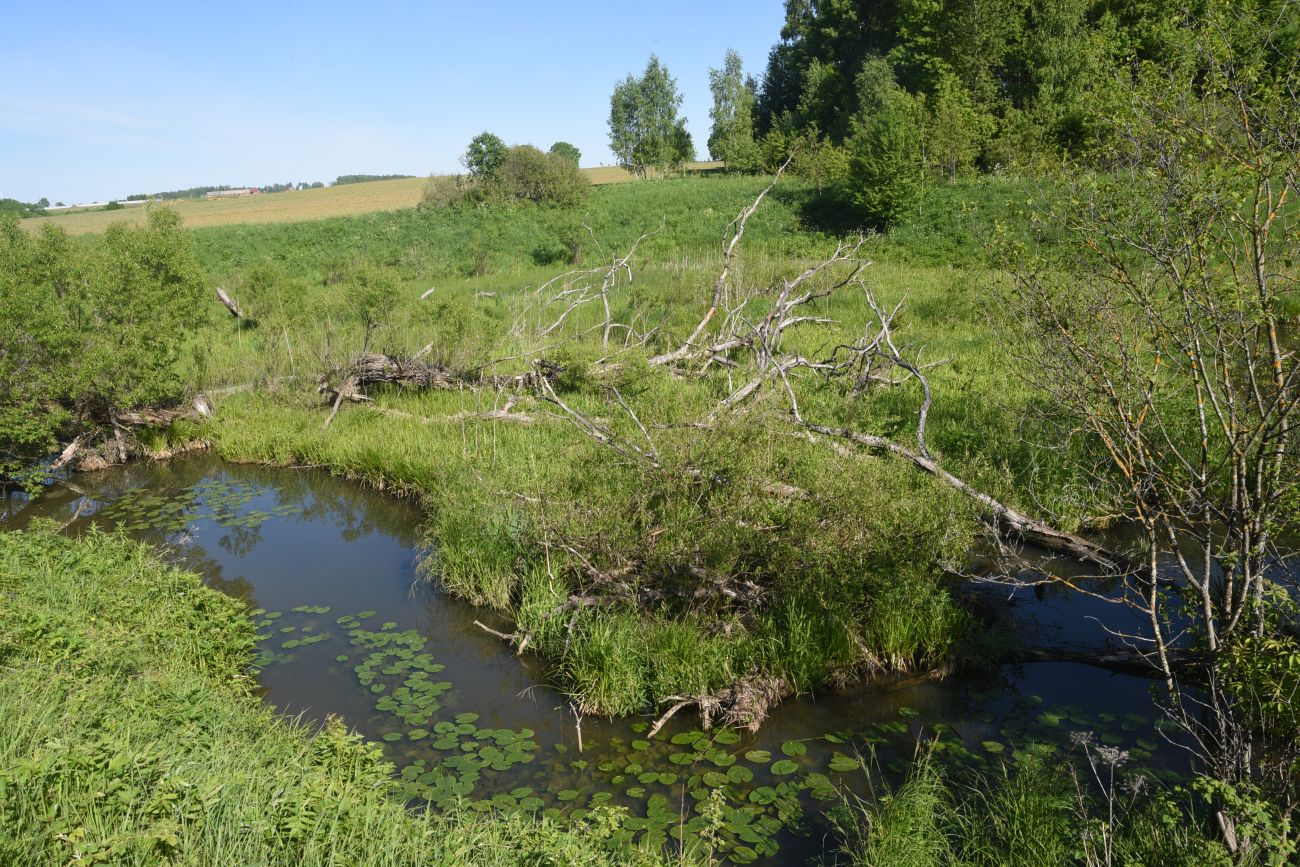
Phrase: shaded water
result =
(348, 628)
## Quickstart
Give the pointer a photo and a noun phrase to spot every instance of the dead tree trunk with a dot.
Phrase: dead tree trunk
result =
(1007, 521)
(229, 303)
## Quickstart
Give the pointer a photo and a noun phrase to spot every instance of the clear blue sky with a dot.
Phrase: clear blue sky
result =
(101, 100)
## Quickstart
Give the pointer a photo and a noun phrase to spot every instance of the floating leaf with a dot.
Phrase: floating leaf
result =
(760, 757)
(992, 746)
(783, 767)
(794, 748)
(739, 774)
(842, 763)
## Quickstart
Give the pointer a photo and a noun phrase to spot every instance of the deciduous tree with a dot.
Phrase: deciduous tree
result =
(644, 130)
(732, 137)
(484, 154)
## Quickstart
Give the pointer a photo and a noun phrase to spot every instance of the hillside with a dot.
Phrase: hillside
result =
(291, 207)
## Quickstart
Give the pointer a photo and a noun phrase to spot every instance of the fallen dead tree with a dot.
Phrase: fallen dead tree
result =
(351, 383)
(109, 443)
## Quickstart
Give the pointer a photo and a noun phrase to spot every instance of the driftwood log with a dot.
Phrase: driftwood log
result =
(369, 369)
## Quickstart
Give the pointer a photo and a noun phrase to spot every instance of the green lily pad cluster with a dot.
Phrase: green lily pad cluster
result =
(223, 502)
(399, 670)
(691, 787)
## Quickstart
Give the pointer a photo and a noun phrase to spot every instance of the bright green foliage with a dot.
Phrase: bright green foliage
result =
(525, 174)
(1041, 75)
(1029, 810)
(732, 137)
(91, 330)
(134, 736)
(885, 168)
(644, 130)
(954, 130)
(568, 151)
(819, 161)
(484, 154)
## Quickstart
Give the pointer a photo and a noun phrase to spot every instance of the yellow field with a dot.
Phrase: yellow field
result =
(292, 207)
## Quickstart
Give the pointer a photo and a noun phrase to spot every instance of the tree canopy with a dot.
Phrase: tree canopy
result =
(484, 154)
(644, 130)
(732, 137)
(92, 330)
(568, 151)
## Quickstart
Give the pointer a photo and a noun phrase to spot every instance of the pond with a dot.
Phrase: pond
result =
(349, 627)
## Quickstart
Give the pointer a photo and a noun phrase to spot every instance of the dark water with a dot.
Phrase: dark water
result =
(350, 628)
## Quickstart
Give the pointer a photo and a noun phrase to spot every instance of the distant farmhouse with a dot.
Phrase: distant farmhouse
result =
(226, 194)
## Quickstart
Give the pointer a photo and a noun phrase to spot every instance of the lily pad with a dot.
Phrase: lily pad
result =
(842, 763)
(784, 767)
(794, 748)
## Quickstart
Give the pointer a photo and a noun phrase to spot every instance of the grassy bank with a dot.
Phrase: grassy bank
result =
(1034, 809)
(133, 735)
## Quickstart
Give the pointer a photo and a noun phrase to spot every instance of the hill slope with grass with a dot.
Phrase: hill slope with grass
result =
(293, 206)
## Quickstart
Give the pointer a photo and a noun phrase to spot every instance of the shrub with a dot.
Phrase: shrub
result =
(528, 175)
(885, 169)
(443, 191)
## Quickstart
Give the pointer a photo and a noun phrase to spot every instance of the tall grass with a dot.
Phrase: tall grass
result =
(133, 735)
(1026, 811)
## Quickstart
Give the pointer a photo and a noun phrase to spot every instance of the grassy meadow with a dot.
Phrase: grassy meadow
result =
(716, 551)
(292, 206)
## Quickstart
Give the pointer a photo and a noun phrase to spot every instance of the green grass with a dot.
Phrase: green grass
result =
(1026, 811)
(850, 575)
(133, 735)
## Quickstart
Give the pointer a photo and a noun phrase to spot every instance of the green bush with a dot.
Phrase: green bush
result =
(525, 174)
(91, 330)
(885, 169)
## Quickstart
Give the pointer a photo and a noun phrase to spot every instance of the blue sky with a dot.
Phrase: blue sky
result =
(101, 100)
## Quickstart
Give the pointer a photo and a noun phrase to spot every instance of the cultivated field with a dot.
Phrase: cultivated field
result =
(293, 207)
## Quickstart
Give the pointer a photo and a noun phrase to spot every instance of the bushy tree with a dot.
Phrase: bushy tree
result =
(568, 151)
(528, 175)
(644, 130)
(484, 154)
(885, 169)
(955, 130)
(732, 137)
(91, 330)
